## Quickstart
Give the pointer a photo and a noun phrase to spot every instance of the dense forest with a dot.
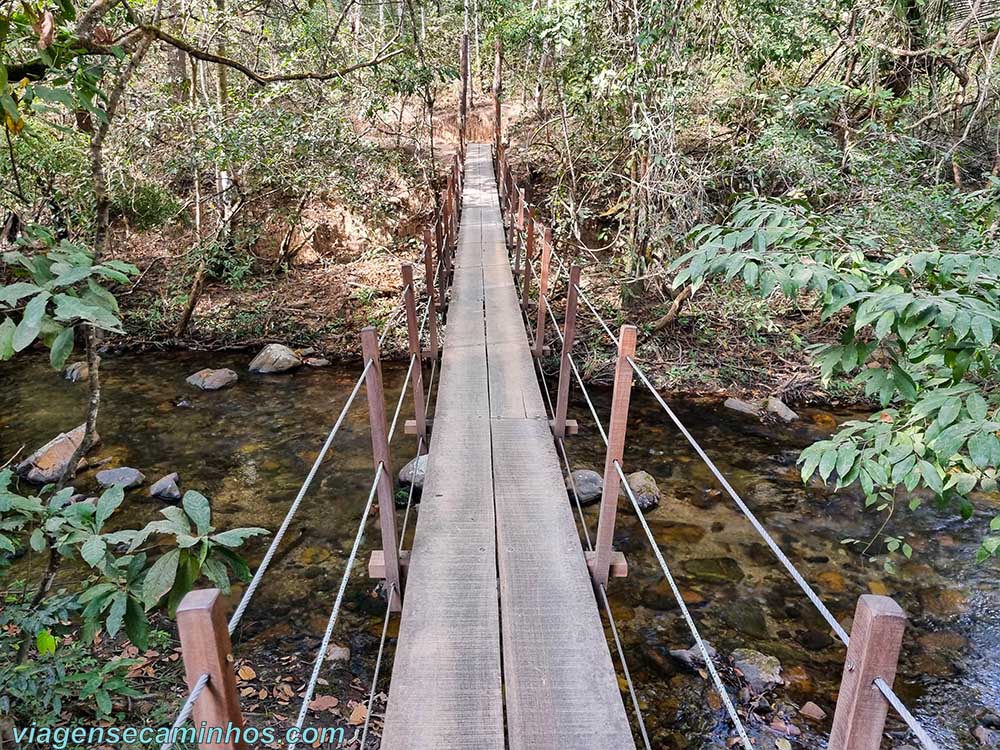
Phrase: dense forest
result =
(792, 201)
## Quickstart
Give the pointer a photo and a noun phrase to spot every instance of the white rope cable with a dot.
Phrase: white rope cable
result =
(328, 634)
(625, 670)
(808, 590)
(234, 621)
(378, 664)
(596, 314)
(792, 571)
(185, 712)
(720, 687)
(911, 721)
(402, 397)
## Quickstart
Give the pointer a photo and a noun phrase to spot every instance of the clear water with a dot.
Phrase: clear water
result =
(249, 447)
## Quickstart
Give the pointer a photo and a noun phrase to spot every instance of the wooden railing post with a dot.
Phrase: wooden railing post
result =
(569, 336)
(417, 371)
(207, 649)
(616, 450)
(514, 234)
(876, 637)
(543, 290)
(432, 301)
(529, 251)
(380, 455)
(441, 267)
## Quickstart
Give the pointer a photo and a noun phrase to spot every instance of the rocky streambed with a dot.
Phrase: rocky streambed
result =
(248, 444)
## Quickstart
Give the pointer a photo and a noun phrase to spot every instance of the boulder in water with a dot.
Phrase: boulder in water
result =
(692, 657)
(759, 670)
(123, 477)
(589, 485)
(212, 380)
(714, 569)
(47, 464)
(166, 488)
(275, 358)
(645, 489)
(778, 408)
(743, 407)
(414, 472)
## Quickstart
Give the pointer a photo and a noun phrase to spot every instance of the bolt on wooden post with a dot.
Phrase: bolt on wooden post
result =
(543, 290)
(876, 637)
(431, 301)
(569, 336)
(380, 456)
(207, 649)
(417, 371)
(620, 398)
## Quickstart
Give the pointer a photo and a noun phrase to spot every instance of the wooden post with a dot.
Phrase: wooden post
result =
(529, 251)
(569, 336)
(616, 449)
(206, 648)
(432, 302)
(543, 290)
(417, 371)
(876, 637)
(497, 82)
(380, 454)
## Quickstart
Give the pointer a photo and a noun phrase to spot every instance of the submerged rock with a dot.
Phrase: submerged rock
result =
(811, 711)
(47, 464)
(213, 380)
(275, 358)
(747, 617)
(759, 670)
(778, 408)
(645, 489)
(316, 362)
(589, 485)
(714, 569)
(124, 477)
(166, 488)
(692, 657)
(743, 407)
(76, 372)
(414, 472)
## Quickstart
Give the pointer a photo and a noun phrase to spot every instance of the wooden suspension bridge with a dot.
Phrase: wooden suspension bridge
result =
(501, 640)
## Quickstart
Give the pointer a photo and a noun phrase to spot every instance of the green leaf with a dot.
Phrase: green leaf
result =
(93, 550)
(235, 537)
(136, 624)
(62, 347)
(117, 614)
(827, 463)
(108, 504)
(7, 329)
(976, 405)
(160, 578)
(45, 643)
(949, 411)
(31, 322)
(94, 592)
(983, 448)
(11, 294)
(931, 477)
(37, 540)
(103, 702)
(982, 329)
(61, 96)
(198, 510)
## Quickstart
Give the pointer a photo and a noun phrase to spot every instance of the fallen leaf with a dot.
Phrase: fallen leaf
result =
(246, 673)
(324, 703)
(782, 744)
(358, 715)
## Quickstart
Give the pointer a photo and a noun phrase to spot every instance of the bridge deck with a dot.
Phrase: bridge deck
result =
(494, 508)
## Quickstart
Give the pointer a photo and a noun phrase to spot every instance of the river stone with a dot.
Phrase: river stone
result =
(714, 569)
(166, 487)
(76, 372)
(987, 737)
(589, 485)
(645, 489)
(675, 532)
(316, 362)
(123, 477)
(743, 407)
(759, 670)
(213, 380)
(747, 617)
(275, 358)
(414, 472)
(692, 657)
(46, 465)
(778, 408)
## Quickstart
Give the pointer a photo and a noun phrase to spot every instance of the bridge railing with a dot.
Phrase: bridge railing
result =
(866, 693)
(206, 638)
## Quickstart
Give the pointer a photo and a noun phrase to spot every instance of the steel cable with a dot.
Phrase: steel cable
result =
(332, 621)
(720, 687)
(378, 664)
(185, 712)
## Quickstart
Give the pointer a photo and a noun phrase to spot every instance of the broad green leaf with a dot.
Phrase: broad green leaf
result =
(7, 329)
(198, 510)
(11, 294)
(136, 625)
(62, 347)
(117, 613)
(236, 537)
(949, 411)
(93, 550)
(45, 642)
(982, 329)
(160, 578)
(976, 406)
(31, 322)
(108, 504)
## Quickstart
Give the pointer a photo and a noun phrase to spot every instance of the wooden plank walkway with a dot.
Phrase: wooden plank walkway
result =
(494, 508)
